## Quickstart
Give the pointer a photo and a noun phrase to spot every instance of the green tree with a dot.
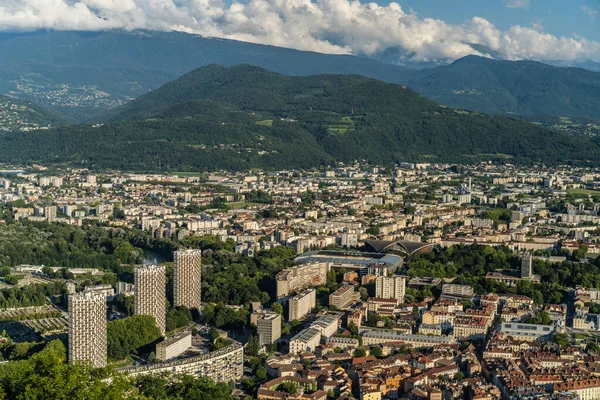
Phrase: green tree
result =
(562, 339)
(360, 352)
(277, 308)
(125, 336)
(376, 351)
(592, 347)
(253, 346)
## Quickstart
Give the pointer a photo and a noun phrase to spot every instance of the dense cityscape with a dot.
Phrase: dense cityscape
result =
(299, 200)
(423, 281)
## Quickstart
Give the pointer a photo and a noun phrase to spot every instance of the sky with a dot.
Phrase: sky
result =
(417, 30)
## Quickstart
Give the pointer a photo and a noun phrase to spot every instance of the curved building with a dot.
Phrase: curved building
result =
(403, 247)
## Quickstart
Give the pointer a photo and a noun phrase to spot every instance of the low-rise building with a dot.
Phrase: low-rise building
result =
(526, 332)
(306, 340)
(173, 346)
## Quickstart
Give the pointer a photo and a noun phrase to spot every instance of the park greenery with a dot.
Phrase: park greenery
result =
(470, 265)
(126, 336)
(47, 376)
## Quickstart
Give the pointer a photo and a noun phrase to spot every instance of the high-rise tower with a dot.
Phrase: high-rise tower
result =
(150, 293)
(187, 278)
(87, 328)
(527, 265)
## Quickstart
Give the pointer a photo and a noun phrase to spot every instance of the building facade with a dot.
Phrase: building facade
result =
(306, 340)
(301, 277)
(87, 328)
(269, 328)
(453, 290)
(527, 265)
(224, 365)
(344, 297)
(327, 324)
(150, 293)
(173, 346)
(390, 287)
(187, 277)
(301, 304)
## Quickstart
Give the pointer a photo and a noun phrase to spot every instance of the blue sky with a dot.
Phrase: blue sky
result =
(559, 17)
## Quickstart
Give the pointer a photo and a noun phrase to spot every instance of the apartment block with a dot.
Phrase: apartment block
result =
(269, 328)
(390, 287)
(187, 276)
(301, 277)
(224, 365)
(301, 304)
(173, 346)
(527, 265)
(87, 328)
(457, 290)
(344, 297)
(327, 325)
(150, 293)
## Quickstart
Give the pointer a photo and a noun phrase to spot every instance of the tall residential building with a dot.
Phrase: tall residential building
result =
(390, 287)
(527, 265)
(150, 293)
(50, 213)
(269, 328)
(187, 273)
(301, 304)
(87, 328)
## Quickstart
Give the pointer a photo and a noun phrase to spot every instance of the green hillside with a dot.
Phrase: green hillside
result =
(517, 87)
(19, 115)
(81, 74)
(244, 117)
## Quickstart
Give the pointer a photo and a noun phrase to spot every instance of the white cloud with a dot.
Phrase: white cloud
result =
(517, 3)
(591, 12)
(328, 26)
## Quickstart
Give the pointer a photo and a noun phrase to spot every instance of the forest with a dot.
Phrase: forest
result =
(260, 119)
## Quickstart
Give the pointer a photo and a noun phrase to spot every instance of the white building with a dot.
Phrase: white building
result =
(390, 287)
(173, 346)
(306, 340)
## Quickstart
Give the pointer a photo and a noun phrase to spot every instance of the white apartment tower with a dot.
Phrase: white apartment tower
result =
(390, 287)
(87, 328)
(302, 304)
(187, 274)
(150, 293)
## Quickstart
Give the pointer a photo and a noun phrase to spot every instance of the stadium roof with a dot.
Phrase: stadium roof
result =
(402, 246)
(349, 258)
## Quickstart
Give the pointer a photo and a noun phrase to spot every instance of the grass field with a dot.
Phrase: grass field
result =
(266, 122)
(346, 124)
(241, 205)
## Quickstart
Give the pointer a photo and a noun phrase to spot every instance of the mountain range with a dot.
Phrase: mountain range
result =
(247, 117)
(82, 74)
